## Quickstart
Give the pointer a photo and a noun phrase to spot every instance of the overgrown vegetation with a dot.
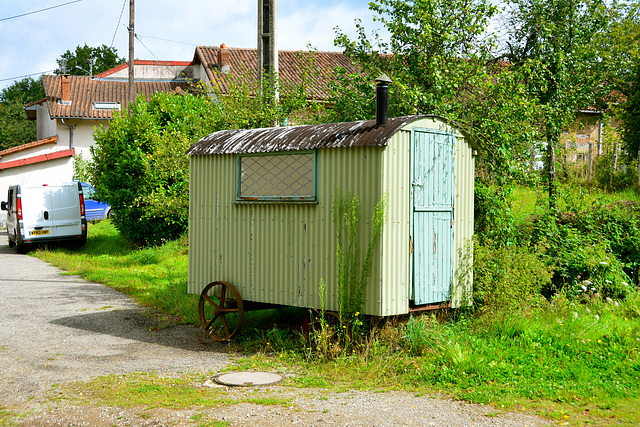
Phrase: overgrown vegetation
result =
(553, 331)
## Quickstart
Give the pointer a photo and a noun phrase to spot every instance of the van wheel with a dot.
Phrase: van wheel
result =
(11, 242)
(21, 248)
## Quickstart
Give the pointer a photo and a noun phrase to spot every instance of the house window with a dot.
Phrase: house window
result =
(106, 106)
(279, 177)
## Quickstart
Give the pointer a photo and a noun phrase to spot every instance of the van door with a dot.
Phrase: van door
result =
(65, 210)
(432, 215)
(36, 204)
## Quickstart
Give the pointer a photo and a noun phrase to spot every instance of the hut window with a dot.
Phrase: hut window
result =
(280, 177)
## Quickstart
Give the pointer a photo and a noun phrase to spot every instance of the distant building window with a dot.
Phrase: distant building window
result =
(280, 177)
(106, 106)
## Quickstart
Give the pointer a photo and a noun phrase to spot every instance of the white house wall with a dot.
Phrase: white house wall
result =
(45, 125)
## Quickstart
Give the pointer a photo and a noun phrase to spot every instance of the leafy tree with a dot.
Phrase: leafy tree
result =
(102, 58)
(26, 90)
(553, 43)
(140, 167)
(438, 57)
(630, 116)
(619, 46)
(15, 128)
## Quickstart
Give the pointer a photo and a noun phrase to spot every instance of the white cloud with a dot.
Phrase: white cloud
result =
(32, 43)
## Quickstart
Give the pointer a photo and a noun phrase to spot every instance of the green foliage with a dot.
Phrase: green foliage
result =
(630, 114)
(439, 60)
(552, 42)
(76, 63)
(81, 168)
(508, 277)
(15, 128)
(493, 221)
(625, 175)
(140, 167)
(353, 271)
(26, 90)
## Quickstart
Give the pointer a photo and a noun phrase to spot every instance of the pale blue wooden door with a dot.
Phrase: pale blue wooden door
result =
(432, 221)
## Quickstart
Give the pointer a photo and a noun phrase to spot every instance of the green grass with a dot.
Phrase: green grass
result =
(532, 201)
(575, 363)
(154, 276)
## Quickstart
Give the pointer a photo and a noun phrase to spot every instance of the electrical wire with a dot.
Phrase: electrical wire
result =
(26, 75)
(145, 46)
(167, 40)
(124, 3)
(37, 11)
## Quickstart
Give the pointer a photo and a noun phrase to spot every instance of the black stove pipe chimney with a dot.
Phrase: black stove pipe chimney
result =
(382, 99)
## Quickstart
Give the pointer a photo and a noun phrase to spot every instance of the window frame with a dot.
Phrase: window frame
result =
(310, 199)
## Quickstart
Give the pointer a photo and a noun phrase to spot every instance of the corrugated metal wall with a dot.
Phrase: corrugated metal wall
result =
(277, 253)
(463, 229)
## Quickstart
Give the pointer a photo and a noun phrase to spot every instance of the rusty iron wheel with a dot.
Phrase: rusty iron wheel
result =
(221, 310)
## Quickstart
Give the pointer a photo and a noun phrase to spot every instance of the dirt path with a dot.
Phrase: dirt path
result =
(56, 328)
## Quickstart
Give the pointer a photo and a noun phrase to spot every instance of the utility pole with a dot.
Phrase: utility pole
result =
(268, 44)
(131, 39)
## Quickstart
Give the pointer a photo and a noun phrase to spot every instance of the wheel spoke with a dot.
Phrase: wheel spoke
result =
(213, 316)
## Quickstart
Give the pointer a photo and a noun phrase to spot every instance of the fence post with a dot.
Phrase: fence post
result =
(590, 161)
(614, 163)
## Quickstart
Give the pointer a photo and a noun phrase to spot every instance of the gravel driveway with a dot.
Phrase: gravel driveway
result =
(58, 328)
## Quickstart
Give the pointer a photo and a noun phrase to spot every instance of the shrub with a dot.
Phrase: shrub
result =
(493, 220)
(508, 277)
(140, 167)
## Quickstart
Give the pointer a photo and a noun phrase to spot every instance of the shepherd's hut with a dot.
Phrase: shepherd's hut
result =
(260, 211)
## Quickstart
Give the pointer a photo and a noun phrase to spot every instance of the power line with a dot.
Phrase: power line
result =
(119, 19)
(37, 11)
(26, 75)
(145, 46)
(167, 40)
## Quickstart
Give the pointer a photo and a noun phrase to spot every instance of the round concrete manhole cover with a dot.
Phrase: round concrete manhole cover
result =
(247, 379)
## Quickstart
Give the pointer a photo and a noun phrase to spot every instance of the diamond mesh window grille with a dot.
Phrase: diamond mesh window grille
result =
(277, 177)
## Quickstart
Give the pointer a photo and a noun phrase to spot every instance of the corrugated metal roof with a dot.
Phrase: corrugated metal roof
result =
(296, 138)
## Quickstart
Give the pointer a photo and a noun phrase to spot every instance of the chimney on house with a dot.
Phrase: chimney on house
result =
(382, 99)
(65, 97)
(223, 59)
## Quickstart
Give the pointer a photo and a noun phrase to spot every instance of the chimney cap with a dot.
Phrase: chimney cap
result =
(384, 79)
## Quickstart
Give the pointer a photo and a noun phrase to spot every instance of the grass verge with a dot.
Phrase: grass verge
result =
(577, 363)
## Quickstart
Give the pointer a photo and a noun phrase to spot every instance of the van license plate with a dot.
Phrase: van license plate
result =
(38, 232)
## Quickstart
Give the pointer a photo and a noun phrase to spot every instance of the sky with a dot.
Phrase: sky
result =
(166, 30)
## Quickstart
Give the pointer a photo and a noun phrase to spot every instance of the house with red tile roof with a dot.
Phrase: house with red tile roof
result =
(74, 106)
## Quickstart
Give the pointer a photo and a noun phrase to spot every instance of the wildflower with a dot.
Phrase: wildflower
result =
(587, 282)
(357, 313)
(584, 288)
(599, 341)
(597, 317)
(604, 263)
(575, 314)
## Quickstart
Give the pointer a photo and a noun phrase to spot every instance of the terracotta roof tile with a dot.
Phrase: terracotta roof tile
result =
(85, 91)
(316, 68)
(50, 140)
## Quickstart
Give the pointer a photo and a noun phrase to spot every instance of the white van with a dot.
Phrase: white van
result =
(45, 213)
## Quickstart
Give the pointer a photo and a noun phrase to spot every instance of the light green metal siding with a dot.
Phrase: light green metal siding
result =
(277, 253)
(395, 281)
(463, 224)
